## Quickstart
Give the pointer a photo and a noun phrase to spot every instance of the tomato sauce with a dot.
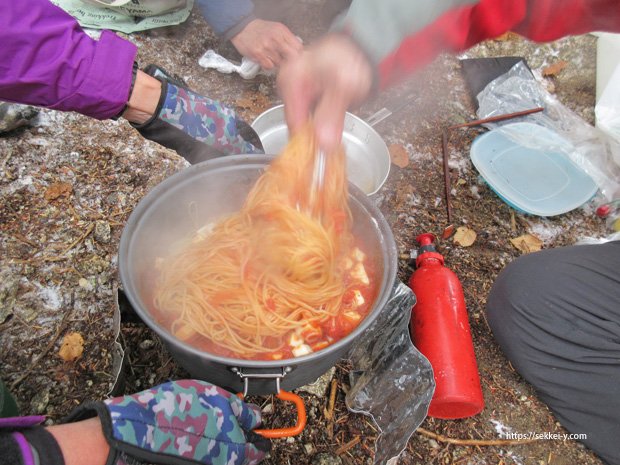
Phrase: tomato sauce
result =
(351, 313)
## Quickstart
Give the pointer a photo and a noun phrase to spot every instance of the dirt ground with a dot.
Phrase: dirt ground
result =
(68, 185)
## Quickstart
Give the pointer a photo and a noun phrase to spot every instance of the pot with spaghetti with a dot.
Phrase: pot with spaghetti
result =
(247, 273)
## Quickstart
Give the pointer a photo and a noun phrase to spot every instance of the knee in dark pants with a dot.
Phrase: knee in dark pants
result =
(556, 317)
(514, 297)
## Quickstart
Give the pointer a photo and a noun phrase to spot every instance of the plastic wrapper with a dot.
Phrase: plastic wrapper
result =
(140, 8)
(127, 16)
(593, 151)
(598, 240)
(391, 381)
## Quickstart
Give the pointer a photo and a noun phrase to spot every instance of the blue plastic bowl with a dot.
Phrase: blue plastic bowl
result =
(528, 167)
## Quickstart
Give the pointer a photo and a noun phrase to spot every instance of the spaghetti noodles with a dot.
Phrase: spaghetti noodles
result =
(278, 278)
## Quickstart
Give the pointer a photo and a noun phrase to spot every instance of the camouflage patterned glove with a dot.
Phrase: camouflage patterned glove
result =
(196, 127)
(179, 422)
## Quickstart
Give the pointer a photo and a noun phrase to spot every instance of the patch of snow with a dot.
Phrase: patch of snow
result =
(517, 459)
(50, 296)
(414, 200)
(546, 231)
(459, 162)
(16, 185)
(500, 428)
(417, 156)
(38, 141)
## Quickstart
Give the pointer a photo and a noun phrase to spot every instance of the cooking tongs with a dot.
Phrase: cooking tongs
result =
(317, 184)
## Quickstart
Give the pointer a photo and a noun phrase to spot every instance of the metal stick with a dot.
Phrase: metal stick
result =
(446, 173)
(316, 187)
(497, 118)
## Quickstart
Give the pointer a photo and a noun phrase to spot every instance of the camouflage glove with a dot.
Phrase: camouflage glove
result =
(196, 127)
(180, 422)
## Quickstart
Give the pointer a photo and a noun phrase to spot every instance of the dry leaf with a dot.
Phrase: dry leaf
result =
(527, 243)
(72, 347)
(58, 189)
(554, 69)
(448, 231)
(507, 36)
(464, 236)
(399, 155)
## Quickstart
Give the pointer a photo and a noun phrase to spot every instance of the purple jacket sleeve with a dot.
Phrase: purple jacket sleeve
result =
(47, 60)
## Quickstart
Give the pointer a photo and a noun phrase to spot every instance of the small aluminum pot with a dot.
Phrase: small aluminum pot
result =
(198, 195)
(368, 157)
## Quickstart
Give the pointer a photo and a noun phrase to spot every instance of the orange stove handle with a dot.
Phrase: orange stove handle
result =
(290, 431)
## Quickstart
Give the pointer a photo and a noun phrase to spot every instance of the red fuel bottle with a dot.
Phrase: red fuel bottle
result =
(440, 330)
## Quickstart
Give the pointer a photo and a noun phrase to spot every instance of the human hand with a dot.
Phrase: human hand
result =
(181, 422)
(267, 43)
(322, 83)
(195, 126)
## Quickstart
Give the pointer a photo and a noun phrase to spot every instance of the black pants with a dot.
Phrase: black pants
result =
(556, 315)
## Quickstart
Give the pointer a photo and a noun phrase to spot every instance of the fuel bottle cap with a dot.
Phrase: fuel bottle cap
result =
(427, 249)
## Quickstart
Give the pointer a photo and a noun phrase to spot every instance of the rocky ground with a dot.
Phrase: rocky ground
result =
(68, 185)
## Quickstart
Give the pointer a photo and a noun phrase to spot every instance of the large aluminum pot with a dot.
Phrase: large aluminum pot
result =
(196, 196)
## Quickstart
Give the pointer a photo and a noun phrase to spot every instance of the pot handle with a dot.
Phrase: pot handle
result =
(283, 395)
(291, 430)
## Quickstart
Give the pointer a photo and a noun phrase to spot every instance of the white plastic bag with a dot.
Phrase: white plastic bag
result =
(248, 69)
(594, 151)
(607, 109)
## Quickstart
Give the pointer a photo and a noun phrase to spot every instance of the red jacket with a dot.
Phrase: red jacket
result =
(401, 36)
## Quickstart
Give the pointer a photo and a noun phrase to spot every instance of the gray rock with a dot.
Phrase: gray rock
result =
(319, 387)
(309, 448)
(102, 231)
(39, 402)
(147, 344)
(9, 284)
(13, 116)
(117, 199)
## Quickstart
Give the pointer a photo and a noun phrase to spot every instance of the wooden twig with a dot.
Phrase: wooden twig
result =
(493, 119)
(62, 256)
(329, 412)
(349, 445)
(473, 442)
(24, 239)
(79, 239)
